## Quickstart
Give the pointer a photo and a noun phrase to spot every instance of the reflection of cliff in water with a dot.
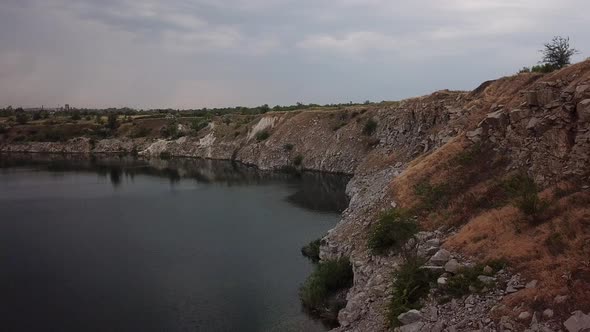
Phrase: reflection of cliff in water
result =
(316, 191)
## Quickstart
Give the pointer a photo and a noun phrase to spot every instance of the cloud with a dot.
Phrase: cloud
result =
(190, 53)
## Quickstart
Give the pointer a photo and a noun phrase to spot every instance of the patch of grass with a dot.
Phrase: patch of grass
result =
(556, 244)
(370, 127)
(466, 280)
(432, 196)
(393, 229)
(328, 278)
(411, 284)
(138, 132)
(312, 250)
(262, 135)
(468, 156)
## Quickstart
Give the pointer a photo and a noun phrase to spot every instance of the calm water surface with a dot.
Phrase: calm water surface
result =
(120, 244)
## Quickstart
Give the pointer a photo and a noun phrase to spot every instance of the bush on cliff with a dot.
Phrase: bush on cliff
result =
(526, 194)
(262, 135)
(393, 230)
(370, 127)
(312, 250)
(327, 279)
(411, 284)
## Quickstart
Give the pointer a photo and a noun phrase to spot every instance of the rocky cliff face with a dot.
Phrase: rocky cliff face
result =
(539, 124)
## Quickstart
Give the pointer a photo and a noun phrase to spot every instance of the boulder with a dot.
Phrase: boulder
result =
(410, 317)
(582, 91)
(531, 284)
(488, 270)
(453, 266)
(414, 327)
(442, 281)
(440, 258)
(525, 315)
(486, 279)
(578, 322)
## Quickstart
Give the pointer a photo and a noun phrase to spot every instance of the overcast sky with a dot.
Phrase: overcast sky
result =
(207, 53)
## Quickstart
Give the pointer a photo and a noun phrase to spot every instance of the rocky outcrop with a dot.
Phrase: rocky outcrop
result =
(540, 123)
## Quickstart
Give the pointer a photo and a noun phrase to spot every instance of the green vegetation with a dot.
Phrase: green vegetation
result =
(199, 124)
(411, 284)
(526, 194)
(327, 279)
(288, 147)
(112, 122)
(469, 155)
(165, 155)
(312, 250)
(262, 135)
(432, 196)
(393, 229)
(298, 160)
(556, 55)
(3, 129)
(370, 127)
(21, 117)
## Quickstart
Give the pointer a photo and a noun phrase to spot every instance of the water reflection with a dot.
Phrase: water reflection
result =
(314, 191)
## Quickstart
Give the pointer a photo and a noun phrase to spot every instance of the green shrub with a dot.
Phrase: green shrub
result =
(411, 284)
(298, 160)
(370, 127)
(393, 229)
(312, 250)
(525, 191)
(199, 124)
(466, 279)
(112, 122)
(3, 129)
(288, 147)
(328, 278)
(165, 155)
(432, 196)
(262, 135)
(21, 117)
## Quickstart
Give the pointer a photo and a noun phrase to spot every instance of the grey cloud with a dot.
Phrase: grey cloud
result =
(181, 53)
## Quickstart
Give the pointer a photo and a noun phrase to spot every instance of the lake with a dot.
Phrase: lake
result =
(118, 243)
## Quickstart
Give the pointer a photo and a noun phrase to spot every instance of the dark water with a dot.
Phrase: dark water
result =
(119, 244)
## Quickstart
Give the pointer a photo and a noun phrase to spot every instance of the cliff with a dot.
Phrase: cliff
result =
(468, 145)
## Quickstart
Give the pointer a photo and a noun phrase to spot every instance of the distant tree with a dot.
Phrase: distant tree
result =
(76, 115)
(112, 121)
(558, 53)
(21, 116)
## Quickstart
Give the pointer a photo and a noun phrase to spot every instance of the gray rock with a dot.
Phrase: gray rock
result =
(442, 281)
(474, 135)
(414, 327)
(524, 315)
(486, 279)
(440, 258)
(453, 266)
(578, 322)
(488, 270)
(548, 313)
(410, 317)
(531, 284)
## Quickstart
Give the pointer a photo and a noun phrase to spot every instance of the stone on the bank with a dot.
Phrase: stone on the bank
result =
(531, 284)
(441, 257)
(441, 281)
(410, 317)
(414, 327)
(453, 266)
(486, 279)
(578, 322)
(524, 315)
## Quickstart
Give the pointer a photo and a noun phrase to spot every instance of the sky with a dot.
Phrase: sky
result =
(216, 53)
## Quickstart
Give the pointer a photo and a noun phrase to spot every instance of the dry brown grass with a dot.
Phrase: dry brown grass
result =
(503, 233)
